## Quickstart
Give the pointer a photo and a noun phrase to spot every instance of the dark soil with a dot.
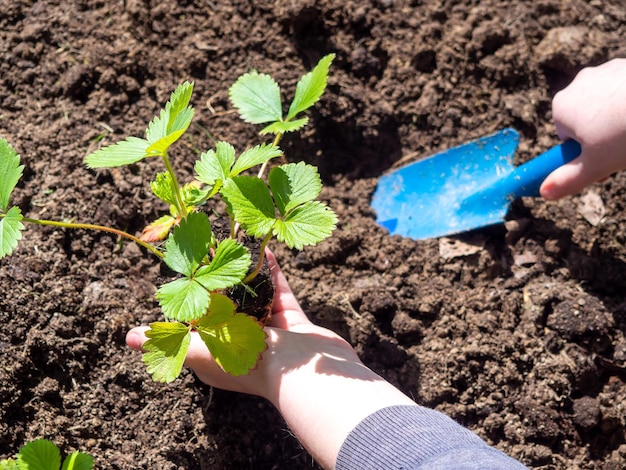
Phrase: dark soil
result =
(519, 336)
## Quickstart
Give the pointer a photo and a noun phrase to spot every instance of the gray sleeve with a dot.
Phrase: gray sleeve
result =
(414, 437)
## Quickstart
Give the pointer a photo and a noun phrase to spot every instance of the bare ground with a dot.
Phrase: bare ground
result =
(519, 336)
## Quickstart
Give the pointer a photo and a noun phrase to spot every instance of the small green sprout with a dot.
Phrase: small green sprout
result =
(281, 204)
(43, 454)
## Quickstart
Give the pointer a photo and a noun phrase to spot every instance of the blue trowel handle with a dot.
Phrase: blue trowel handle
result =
(526, 179)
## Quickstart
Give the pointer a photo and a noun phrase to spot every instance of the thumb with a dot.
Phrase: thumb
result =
(286, 311)
(136, 337)
(197, 356)
(566, 180)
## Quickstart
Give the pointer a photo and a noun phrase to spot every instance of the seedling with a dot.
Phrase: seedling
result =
(281, 204)
(43, 454)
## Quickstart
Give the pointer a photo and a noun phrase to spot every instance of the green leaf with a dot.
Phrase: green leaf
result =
(229, 266)
(282, 127)
(10, 231)
(188, 299)
(78, 461)
(162, 132)
(257, 98)
(251, 204)
(255, 156)
(183, 299)
(40, 454)
(157, 129)
(307, 224)
(188, 244)
(172, 121)
(159, 148)
(10, 172)
(166, 350)
(214, 166)
(9, 464)
(221, 310)
(310, 87)
(163, 188)
(176, 116)
(125, 152)
(294, 184)
(235, 341)
(180, 113)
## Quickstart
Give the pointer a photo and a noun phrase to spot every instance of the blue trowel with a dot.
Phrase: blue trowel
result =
(463, 188)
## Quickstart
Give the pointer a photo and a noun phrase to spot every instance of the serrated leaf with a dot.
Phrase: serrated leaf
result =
(235, 343)
(188, 244)
(158, 230)
(183, 299)
(221, 310)
(257, 98)
(251, 204)
(294, 184)
(157, 128)
(310, 87)
(125, 152)
(40, 454)
(159, 148)
(176, 115)
(166, 350)
(282, 127)
(215, 166)
(180, 113)
(163, 188)
(10, 231)
(307, 224)
(10, 172)
(78, 461)
(255, 156)
(229, 266)
(172, 122)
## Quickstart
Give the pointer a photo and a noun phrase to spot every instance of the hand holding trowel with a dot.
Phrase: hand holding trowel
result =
(463, 188)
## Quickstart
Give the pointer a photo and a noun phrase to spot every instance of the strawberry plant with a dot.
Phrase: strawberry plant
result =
(262, 201)
(43, 454)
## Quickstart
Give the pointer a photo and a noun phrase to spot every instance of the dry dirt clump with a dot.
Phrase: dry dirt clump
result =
(520, 338)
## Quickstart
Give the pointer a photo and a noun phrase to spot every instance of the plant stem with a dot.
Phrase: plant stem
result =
(100, 228)
(259, 265)
(182, 209)
(275, 144)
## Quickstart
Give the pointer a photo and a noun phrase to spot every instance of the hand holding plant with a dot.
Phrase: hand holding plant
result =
(309, 373)
(281, 204)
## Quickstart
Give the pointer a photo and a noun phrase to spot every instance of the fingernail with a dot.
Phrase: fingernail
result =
(548, 192)
(133, 340)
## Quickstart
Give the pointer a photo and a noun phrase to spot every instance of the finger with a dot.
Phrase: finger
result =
(565, 115)
(566, 180)
(287, 312)
(563, 131)
(198, 359)
(136, 337)
(197, 355)
(285, 299)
